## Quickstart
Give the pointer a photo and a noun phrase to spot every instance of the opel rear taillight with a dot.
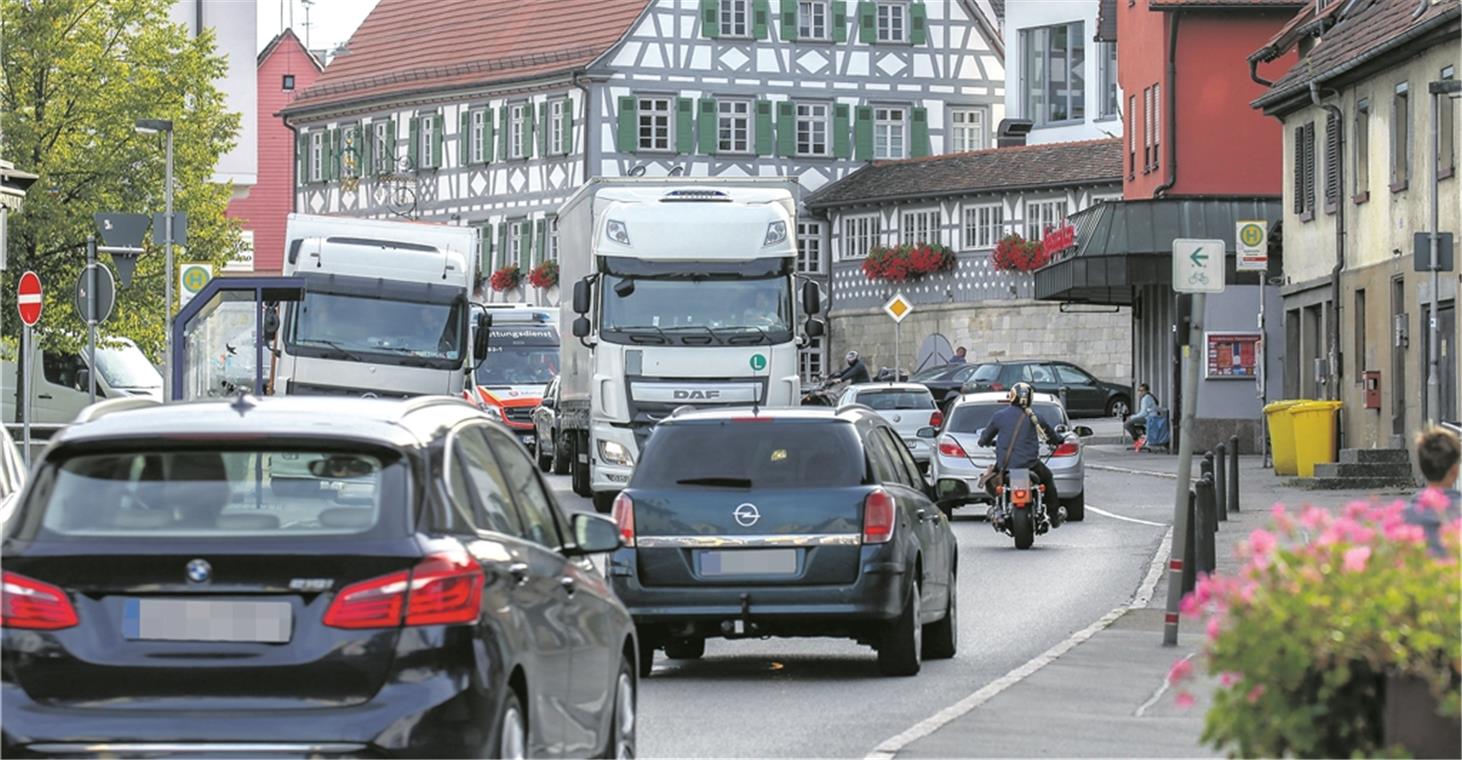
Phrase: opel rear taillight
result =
(29, 603)
(1067, 449)
(936, 419)
(444, 588)
(879, 513)
(948, 447)
(624, 517)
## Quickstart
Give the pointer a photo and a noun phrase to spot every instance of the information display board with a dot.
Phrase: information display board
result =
(1232, 355)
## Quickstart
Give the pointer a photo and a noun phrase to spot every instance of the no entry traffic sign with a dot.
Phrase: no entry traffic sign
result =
(28, 299)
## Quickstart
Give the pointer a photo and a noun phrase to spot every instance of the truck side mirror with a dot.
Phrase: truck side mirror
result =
(83, 379)
(581, 299)
(814, 328)
(271, 323)
(480, 339)
(811, 299)
(581, 326)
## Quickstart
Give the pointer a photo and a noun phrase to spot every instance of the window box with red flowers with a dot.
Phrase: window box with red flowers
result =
(907, 262)
(506, 278)
(544, 276)
(1016, 254)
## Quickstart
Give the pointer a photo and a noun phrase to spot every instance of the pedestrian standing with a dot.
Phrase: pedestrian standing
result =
(1438, 453)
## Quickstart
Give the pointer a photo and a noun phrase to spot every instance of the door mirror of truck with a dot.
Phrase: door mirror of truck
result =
(581, 327)
(815, 328)
(811, 298)
(271, 323)
(83, 379)
(480, 339)
(581, 297)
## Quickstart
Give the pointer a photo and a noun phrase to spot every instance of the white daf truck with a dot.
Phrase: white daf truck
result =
(385, 312)
(682, 295)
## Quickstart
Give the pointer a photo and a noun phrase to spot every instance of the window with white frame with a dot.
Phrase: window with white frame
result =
(518, 141)
(317, 156)
(478, 152)
(350, 144)
(735, 18)
(555, 127)
(860, 234)
(1108, 72)
(809, 359)
(381, 150)
(983, 225)
(1041, 216)
(733, 126)
(812, 20)
(426, 136)
(654, 118)
(550, 239)
(892, 22)
(1053, 73)
(514, 254)
(809, 247)
(919, 227)
(890, 132)
(966, 129)
(812, 129)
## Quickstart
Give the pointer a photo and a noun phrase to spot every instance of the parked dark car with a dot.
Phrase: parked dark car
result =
(944, 382)
(552, 451)
(1085, 395)
(426, 598)
(788, 522)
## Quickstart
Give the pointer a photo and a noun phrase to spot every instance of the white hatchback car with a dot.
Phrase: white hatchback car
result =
(908, 407)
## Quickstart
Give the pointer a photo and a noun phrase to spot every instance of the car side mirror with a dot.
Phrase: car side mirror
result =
(811, 299)
(926, 432)
(815, 328)
(581, 297)
(581, 327)
(480, 340)
(1083, 431)
(83, 379)
(1062, 429)
(546, 402)
(594, 534)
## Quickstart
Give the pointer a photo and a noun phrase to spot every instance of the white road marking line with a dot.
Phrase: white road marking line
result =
(1156, 695)
(1115, 516)
(1130, 471)
(896, 744)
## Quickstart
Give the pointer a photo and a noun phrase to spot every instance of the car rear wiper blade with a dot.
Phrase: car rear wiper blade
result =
(725, 482)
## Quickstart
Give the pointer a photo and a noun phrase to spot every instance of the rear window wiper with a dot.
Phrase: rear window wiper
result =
(723, 482)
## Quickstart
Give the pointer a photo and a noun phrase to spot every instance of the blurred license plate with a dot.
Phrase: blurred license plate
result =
(528, 440)
(749, 562)
(206, 620)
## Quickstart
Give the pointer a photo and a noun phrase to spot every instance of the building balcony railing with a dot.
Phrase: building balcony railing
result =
(974, 279)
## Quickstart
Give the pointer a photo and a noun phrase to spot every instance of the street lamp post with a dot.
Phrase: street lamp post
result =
(1439, 90)
(148, 126)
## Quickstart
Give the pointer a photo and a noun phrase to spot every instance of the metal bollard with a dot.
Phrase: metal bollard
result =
(1208, 527)
(1190, 546)
(1233, 474)
(1220, 481)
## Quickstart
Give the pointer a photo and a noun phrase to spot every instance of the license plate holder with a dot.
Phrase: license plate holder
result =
(717, 563)
(207, 620)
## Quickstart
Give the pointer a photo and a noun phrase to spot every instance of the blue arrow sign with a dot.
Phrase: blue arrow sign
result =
(1199, 258)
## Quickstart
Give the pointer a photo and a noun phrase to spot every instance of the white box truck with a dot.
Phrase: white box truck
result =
(682, 295)
(385, 312)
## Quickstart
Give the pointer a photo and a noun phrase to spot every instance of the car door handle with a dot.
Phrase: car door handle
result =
(569, 585)
(519, 571)
(45, 396)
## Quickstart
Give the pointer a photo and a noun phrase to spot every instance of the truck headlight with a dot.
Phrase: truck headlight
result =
(776, 233)
(612, 452)
(616, 231)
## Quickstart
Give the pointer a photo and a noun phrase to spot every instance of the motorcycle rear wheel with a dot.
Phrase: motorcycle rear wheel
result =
(1023, 528)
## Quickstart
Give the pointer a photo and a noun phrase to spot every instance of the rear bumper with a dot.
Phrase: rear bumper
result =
(1070, 481)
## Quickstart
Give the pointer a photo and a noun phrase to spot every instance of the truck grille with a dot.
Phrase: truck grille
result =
(522, 414)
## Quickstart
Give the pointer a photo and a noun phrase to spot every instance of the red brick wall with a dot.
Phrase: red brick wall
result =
(268, 204)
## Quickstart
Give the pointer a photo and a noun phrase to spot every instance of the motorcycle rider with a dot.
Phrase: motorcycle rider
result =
(1018, 430)
(856, 371)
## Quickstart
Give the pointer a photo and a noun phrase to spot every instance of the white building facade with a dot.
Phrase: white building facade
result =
(1061, 71)
(234, 26)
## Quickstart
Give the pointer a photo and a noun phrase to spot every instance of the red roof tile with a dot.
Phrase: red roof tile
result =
(415, 45)
(1187, 4)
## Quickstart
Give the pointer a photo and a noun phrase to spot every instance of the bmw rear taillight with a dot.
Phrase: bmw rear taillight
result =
(29, 603)
(936, 419)
(1067, 449)
(948, 447)
(624, 517)
(442, 589)
(878, 517)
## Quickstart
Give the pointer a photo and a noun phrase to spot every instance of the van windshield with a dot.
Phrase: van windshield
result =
(124, 366)
(338, 326)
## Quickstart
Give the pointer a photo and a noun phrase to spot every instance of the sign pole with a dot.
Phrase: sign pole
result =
(25, 383)
(1191, 353)
(91, 316)
(898, 347)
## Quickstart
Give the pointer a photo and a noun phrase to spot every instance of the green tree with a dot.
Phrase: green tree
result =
(77, 74)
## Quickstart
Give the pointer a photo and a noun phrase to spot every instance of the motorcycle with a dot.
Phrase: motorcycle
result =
(824, 394)
(1020, 510)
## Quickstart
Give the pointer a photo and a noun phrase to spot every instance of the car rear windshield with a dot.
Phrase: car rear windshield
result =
(971, 418)
(736, 454)
(896, 399)
(220, 494)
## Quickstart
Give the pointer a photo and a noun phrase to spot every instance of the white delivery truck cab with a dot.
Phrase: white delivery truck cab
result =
(385, 311)
(682, 295)
(59, 380)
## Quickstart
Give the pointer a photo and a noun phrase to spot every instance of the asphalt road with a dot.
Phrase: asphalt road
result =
(824, 697)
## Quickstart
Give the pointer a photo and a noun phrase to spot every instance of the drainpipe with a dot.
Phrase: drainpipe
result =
(1172, 110)
(585, 121)
(294, 141)
(1420, 9)
(1254, 74)
(1333, 329)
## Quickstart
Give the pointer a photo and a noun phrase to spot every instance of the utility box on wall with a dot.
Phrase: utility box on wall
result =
(1372, 382)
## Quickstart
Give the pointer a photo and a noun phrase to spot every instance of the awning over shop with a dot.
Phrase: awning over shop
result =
(1126, 244)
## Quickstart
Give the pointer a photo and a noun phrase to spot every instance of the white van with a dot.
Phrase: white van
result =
(58, 380)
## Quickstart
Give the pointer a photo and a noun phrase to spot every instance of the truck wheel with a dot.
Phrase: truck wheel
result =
(579, 464)
(562, 459)
(604, 501)
(545, 455)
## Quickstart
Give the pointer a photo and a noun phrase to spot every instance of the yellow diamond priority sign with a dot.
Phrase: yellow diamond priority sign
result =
(898, 307)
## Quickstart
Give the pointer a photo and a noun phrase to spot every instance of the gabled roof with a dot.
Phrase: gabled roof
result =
(1365, 31)
(1106, 30)
(1025, 167)
(289, 35)
(416, 46)
(1161, 5)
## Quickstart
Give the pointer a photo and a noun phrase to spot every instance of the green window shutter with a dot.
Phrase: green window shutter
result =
(707, 126)
(540, 248)
(627, 139)
(502, 244)
(711, 18)
(484, 251)
(765, 140)
(368, 150)
(760, 18)
(525, 245)
(786, 128)
(919, 146)
(388, 163)
(568, 126)
(684, 125)
(503, 132)
(840, 20)
(332, 155)
(301, 153)
(918, 24)
(544, 129)
(867, 26)
(360, 148)
(464, 138)
(528, 130)
(842, 137)
(488, 136)
(863, 134)
(789, 20)
(438, 124)
(414, 136)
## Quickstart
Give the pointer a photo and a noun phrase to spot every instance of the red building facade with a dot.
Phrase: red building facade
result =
(285, 68)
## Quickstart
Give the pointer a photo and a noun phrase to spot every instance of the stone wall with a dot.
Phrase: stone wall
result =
(994, 330)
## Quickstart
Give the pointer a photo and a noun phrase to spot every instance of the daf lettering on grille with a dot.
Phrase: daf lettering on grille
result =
(694, 395)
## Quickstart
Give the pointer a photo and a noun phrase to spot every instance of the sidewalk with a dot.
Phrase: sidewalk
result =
(1107, 696)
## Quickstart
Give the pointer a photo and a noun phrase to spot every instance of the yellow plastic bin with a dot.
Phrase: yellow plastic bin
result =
(1281, 435)
(1314, 434)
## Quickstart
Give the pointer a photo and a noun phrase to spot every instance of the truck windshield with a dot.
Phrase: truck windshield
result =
(124, 366)
(520, 355)
(331, 325)
(697, 310)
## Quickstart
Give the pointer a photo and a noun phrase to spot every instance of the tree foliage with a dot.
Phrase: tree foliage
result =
(77, 74)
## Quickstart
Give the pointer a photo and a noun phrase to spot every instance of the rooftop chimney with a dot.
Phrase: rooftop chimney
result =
(1012, 132)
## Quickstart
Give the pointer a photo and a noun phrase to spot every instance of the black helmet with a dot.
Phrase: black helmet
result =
(1020, 395)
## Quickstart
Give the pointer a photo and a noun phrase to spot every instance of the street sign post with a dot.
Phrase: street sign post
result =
(1198, 265)
(1251, 246)
(122, 236)
(192, 278)
(105, 290)
(29, 301)
(897, 308)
